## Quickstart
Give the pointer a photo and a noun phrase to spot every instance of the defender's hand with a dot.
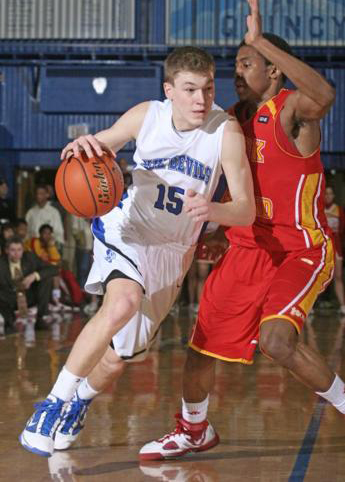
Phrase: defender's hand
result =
(254, 23)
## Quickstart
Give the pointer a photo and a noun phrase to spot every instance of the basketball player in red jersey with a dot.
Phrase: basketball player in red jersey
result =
(336, 222)
(263, 288)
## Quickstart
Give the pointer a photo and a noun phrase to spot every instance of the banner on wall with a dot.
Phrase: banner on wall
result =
(67, 19)
(223, 22)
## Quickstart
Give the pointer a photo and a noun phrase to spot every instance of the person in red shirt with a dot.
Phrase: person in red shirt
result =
(336, 222)
(262, 289)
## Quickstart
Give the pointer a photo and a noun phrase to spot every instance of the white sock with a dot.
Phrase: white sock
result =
(85, 391)
(66, 385)
(335, 395)
(195, 412)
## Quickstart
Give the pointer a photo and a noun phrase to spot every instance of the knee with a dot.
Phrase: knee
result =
(116, 312)
(277, 347)
(198, 361)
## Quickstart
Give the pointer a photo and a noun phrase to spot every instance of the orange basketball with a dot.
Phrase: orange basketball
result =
(87, 187)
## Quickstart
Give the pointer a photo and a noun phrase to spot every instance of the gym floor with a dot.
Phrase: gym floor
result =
(272, 429)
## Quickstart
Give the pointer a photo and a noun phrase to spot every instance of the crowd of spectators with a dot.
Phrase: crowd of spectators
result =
(45, 258)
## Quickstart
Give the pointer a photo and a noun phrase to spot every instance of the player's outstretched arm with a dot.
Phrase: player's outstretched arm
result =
(240, 211)
(125, 129)
(314, 95)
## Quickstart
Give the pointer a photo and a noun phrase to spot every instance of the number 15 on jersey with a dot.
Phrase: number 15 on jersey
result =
(169, 198)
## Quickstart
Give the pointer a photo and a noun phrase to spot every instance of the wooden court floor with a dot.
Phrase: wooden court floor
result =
(271, 428)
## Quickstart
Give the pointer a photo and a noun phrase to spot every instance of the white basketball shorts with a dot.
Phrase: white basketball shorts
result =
(159, 269)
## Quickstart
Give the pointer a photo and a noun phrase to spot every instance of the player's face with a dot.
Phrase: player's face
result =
(15, 252)
(329, 195)
(252, 78)
(192, 96)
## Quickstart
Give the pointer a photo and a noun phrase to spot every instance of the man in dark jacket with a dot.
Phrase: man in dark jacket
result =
(23, 273)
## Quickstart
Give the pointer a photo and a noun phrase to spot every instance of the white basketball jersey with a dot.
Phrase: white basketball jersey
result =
(167, 164)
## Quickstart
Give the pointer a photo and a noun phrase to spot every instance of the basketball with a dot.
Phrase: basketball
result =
(89, 187)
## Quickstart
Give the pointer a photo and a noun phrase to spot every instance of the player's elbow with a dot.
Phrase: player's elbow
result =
(249, 214)
(325, 101)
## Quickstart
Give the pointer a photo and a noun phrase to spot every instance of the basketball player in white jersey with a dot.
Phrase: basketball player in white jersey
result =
(144, 247)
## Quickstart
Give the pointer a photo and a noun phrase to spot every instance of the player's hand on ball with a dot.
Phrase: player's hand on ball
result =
(196, 206)
(88, 144)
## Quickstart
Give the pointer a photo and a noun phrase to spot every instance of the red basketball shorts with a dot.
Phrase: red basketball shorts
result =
(250, 286)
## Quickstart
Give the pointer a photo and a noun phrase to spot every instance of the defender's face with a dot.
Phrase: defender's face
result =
(251, 74)
(192, 96)
(15, 252)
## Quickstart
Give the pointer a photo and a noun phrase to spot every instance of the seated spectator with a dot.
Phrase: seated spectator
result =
(43, 213)
(7, 232)
(44, 247)
(22, 272)
(83, 237)
(123, 165)
(21, 230)
(127, 176)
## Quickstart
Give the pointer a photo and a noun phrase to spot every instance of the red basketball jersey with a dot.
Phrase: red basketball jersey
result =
(289, 188)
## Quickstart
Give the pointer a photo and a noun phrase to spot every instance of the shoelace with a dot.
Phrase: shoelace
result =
(78, 409)
(178, 430)
(53, 410)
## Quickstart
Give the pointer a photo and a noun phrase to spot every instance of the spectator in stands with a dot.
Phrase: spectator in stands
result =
(82, 234)
(23, 270)
(335, 219)
(84, 242)
(127, 176)
(6, 206)
(123, 164)
(7, 231)
(45, 248)
(53, 201)
(43, 213)
(21, 230)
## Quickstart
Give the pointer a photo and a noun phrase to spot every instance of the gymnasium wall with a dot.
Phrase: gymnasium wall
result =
(51, 54)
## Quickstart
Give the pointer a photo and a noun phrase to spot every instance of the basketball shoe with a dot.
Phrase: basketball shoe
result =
(72, 423)
(38, 435)
(187, 437)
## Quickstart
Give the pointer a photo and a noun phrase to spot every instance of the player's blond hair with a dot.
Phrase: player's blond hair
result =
(187, 59)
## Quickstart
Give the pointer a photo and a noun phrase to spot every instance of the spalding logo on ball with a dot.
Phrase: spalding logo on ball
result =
(87, 187)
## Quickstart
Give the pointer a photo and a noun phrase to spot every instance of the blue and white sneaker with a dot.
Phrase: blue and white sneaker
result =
(73, 422)
(38, 435)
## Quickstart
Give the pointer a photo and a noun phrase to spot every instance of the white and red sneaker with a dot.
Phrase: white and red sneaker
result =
(187, 437)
